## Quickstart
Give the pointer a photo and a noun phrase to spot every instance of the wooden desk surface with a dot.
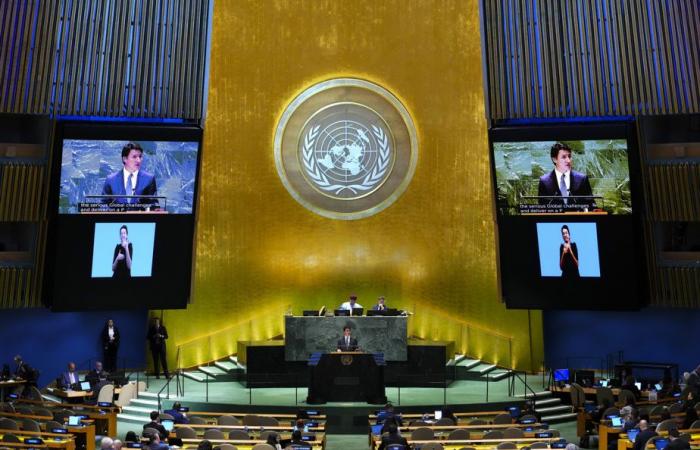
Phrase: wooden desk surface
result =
(240, 414)
(243, 444)
(477, 443)
(52, 440)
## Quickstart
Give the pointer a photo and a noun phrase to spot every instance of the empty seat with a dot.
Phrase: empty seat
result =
(528, 418)
(30, 425)
(225, 447)
(266, 421)
(419, 423)
(432, 446)
(626, 397)
(251, 420)
(263, 447)
(238, 435)
(695, 425)
(513, 433)
(7, 407)
(506, 446)
(494, 434)
(185, 433)
(539, 445)
(8, 424)
(502, 419)
(165, 416)
(458, 434)
(476, 422)
(666, 425)
(265, 434)
(612, 411)
(604, 394)
(43, 412)
(51, 424)
(10, 438)
(214, 433)
(22, 409)
(657, 410)
(227, 420)
(422, 434)
(196, 420)
(675, 408)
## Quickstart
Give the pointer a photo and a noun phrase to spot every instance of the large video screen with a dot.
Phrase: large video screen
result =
(568, 231)
(123, 204)
(123, 176)
(540, 177)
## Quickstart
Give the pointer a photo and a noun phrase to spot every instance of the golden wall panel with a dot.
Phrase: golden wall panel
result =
(432, 252)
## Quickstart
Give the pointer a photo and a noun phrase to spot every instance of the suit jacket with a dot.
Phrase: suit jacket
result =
(157, 336)
(377, 307)
(642, 438)
(578, 185)
(145, 185)
(347, 348)
(157, 426)
(65, 379)
(105, 338)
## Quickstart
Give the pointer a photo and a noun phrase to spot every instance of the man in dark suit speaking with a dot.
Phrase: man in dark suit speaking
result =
(347, 343)
(563, 182)
(131, 180)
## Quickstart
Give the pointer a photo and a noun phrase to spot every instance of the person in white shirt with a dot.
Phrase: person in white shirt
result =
(351, 303)
(70, 377)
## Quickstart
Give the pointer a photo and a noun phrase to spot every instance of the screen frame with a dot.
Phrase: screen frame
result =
(623, 129)
(126, 131)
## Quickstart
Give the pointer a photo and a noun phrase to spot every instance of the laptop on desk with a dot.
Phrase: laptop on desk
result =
(75, 421)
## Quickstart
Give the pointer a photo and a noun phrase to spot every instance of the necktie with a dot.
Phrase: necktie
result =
(129, 187)
(562, 187)
(347, 342)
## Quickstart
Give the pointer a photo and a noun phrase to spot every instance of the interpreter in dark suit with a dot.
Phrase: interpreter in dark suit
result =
(123, 254)
(70, 376)
(110, 345)
(347, 343)
(393, 437)
(563, 181)
(381, 304)
(156, 425)
(131, 180)
(97, 376)
(645, 433)
(568, 255)
(157, 334)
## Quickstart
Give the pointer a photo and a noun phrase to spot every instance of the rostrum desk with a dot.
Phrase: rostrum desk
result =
(346, 377)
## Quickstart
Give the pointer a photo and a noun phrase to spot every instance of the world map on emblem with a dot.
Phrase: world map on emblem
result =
(346, 151)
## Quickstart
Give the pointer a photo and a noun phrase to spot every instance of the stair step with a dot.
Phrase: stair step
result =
(499, 375)
(459, 358)
(194, 376)
(559, 418)
(226, 366)
(552, 410)
(487, 369)
(132, 418)
(234, 359)
(212, 371)
(144, 402)
(540, 394)
(469, 363)
(148, 395)
(138, 409)
(547, 402)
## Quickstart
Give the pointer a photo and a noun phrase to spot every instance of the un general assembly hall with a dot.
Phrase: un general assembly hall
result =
(349, 225)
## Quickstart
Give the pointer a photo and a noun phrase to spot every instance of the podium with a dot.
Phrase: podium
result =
(346, 377)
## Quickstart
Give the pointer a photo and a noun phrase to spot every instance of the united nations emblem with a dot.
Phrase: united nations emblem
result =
(346, 148)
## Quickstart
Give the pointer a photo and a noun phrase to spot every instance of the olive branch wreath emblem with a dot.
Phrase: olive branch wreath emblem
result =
(373, 177)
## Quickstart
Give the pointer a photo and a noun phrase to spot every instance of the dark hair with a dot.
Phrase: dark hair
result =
(205, 444)
(554, 151)
(129, 147)
(154, 415)
(353, 297)
(392, 428)
(347, 327)
(124, 227)
(130, 437)
(296, 435)
(272, 439)
(177, 405)
(565, 227)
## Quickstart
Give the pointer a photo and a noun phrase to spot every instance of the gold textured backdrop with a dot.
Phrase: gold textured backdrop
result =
(433, 252)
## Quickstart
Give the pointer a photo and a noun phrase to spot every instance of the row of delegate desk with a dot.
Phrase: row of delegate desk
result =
(284, 431)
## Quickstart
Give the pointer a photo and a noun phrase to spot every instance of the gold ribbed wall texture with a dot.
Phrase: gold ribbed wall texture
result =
(569, 58)
(136, 58)
(433, 252)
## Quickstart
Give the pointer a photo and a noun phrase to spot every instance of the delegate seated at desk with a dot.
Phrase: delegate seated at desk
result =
(70, 377)
(350, 304)
(347, 343)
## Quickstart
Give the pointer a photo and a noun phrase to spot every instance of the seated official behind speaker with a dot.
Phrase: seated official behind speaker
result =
(350, 304)
(347, 343)
(381, 305)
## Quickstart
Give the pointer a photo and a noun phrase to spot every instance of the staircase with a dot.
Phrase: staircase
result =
(228, 369)
(139, 409)
(550, 408)
(475, 369)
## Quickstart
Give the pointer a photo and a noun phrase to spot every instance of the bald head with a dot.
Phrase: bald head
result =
(643, 425)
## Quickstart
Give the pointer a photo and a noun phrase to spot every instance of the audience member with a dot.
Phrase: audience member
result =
(131, 437)
(676, 443)
(178, 416)
(447, 413)
(691, 414)
(107, 444)
(630, 386)
(155, 443)
(273, 439)
(393, 437)
(97, 375)
(645, 433)
(156, 425)
(296, 438)
(631, 420)
(110, 345)
(117, 444)
(70, 377)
